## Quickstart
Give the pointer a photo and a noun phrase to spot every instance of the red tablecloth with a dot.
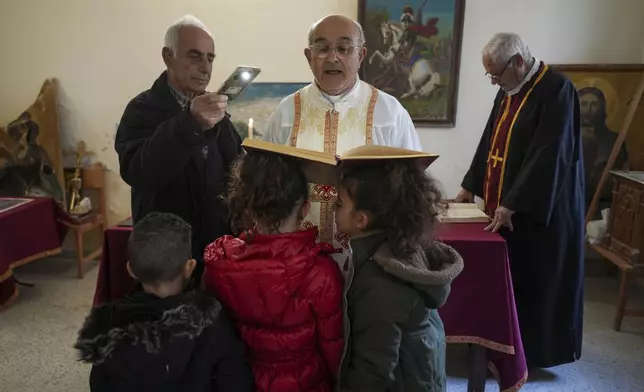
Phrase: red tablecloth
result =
(114, 281)
(27, 233)
(480, 308)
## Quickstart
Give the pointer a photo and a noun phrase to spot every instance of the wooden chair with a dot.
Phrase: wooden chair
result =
(624, 239)
(93, 178)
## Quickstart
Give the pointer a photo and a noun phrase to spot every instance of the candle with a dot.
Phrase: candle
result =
(250, 128)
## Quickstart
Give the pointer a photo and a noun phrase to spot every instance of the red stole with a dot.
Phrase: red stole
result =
(510, 108)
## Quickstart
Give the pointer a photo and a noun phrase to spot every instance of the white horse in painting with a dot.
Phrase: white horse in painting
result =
(421, 76)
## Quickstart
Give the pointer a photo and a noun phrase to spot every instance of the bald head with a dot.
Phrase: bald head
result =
(350, 27)
(335, 53)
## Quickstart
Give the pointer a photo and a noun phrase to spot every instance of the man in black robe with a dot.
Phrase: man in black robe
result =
(176, 143)
(528, 169)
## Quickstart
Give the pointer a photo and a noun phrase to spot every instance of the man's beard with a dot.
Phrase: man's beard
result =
(588, 121)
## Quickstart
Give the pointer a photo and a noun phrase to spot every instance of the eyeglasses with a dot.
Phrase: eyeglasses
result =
(497, 77)
(321, 50)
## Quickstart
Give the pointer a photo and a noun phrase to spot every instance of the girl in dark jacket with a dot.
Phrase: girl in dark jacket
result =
(282, 287)
(398, 278)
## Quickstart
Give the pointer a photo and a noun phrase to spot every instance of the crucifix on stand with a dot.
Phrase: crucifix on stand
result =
(75, 183)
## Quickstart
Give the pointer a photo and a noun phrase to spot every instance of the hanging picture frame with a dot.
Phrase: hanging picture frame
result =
(413, 53)
(605, 92)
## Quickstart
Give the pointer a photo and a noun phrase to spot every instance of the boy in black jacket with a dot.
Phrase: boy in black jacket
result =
(163, 337)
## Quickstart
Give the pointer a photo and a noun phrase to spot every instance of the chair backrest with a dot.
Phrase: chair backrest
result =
(93, 178)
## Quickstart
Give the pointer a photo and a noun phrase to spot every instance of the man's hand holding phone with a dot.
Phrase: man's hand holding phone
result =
(208, 109)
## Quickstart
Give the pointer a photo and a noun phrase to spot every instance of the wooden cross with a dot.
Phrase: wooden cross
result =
(496, 158)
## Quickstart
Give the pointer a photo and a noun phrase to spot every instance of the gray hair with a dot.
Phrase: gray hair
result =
(172, 34)
(504, 46)
(315, 25)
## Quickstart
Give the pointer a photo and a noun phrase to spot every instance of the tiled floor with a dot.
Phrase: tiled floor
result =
(37, 333)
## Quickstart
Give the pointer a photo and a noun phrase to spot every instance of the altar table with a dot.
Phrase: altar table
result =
(480, 309)
(27, 232)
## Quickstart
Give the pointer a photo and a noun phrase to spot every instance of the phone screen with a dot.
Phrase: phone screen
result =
(237, 83)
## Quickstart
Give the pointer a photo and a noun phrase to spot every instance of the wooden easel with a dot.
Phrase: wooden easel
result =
(625, 267)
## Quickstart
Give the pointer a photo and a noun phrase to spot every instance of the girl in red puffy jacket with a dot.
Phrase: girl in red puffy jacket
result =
(283, 289)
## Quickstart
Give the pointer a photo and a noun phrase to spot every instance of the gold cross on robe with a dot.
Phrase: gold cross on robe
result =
(496, 158)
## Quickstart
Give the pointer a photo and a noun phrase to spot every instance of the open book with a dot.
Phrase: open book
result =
(464, 213)
(321, 168)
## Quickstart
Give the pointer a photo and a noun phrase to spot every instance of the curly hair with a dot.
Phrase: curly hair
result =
(400, 200)
(263, 189)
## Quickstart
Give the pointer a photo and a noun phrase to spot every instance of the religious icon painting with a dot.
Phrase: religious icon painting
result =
(32, 140)
(605, 92)
(413, 53)
(251, 111)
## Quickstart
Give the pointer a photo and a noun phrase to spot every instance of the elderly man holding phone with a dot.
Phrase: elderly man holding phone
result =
(175, 142)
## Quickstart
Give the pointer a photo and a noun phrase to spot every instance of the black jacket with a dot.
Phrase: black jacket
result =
(172, 166)
(180, 343)
(396, 339)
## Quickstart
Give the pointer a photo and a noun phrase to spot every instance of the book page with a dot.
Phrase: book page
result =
(464, 213)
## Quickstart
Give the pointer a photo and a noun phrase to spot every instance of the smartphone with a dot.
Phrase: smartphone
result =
(238, 82)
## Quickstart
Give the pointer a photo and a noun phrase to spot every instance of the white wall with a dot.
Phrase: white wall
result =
(105, 52)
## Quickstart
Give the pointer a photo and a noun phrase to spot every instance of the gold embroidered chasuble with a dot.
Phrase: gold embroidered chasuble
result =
(333, 128)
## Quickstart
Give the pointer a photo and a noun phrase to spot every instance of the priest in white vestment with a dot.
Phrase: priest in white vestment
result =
(338, 112)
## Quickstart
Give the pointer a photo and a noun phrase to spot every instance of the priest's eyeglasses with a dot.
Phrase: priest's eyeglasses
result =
(497, 76)
(321, 50)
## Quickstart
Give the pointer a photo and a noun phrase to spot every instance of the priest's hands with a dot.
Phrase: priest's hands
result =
(502, 217)
(208, 109)
(464, 197)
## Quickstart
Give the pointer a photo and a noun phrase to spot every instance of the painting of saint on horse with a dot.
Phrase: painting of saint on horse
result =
(414, 54)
